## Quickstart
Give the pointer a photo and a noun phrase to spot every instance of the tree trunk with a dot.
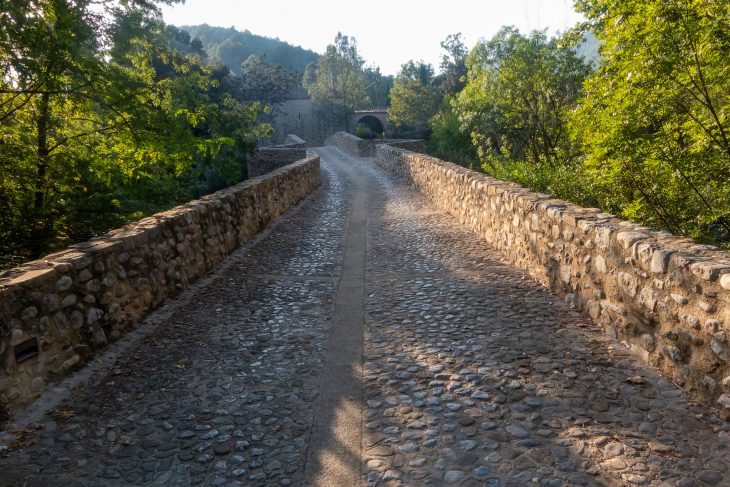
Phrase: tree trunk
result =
(39, 233)
(345, 113)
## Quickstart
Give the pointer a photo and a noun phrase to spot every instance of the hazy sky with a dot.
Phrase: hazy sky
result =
(388, 33)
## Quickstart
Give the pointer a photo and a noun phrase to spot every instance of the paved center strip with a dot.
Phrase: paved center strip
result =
(334, 452)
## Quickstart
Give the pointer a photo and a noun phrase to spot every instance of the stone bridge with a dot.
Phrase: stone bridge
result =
(376, 119)
(369, 337)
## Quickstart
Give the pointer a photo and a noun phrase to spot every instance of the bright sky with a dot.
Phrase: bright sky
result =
(388, 32)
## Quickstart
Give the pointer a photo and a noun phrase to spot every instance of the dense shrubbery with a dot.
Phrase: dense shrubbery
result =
(414, 100)
(450, 142)
(107, 115)
(364, 132)
(645, 135)
(519, 92)
(654, 123)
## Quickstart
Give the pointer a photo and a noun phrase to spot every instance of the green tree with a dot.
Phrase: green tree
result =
(378, 87)
(265, 83)
(414, 100)
(655, 121)
(453, 65)
(337, 81)
(449, 142)
(515, 104)
(104, 120)
(53, 76)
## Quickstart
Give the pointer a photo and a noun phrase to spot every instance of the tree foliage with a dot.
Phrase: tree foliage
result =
(103, 120)
(420, 100)
(641, 129)
(414, 100)
(337, 81)
(655, 121)
(515, 104)
(378, 87)
(449, 141)
(266, 83)
(453, 65)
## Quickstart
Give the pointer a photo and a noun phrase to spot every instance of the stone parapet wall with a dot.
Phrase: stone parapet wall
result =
(665, 298)
(57, 312)
(295, 142)
(418, 145)
(267, 159)
(366, 148)
(351, 144)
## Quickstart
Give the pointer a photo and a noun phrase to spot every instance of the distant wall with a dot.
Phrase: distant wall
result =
(301, 117)
(57, 312)
(295, 141)
(294, 117)
(666, 298)
(267, 159)
(366, 148)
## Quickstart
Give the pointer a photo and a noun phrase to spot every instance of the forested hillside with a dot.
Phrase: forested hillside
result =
(232, 47)
(107, 115)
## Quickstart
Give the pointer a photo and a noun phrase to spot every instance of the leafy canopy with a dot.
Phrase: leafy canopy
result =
(337, 80)
(655, 120)
(414, 100)
(107, 115)
(514, 106)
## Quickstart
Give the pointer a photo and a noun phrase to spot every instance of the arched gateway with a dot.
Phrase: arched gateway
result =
(375, 119)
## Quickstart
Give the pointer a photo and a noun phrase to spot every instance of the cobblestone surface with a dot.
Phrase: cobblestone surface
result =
(472, 373)
(221, 392)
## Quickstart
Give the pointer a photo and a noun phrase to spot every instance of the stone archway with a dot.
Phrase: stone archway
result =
(373, 122)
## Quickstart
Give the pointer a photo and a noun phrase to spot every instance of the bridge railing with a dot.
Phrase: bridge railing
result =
(665, 298)
(269, 158)
(57, 312)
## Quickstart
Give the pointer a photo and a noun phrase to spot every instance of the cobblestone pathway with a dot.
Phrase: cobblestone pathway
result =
(471, 374)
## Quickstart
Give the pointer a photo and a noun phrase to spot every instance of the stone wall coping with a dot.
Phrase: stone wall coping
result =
(278, 150)
(115, 239)
(665, 298)
(295, 139)
(627, 233)
(72, 302)
(268, 158)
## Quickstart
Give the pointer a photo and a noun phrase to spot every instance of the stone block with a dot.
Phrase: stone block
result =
(707, 271)
(628, 239)
(725, 281)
